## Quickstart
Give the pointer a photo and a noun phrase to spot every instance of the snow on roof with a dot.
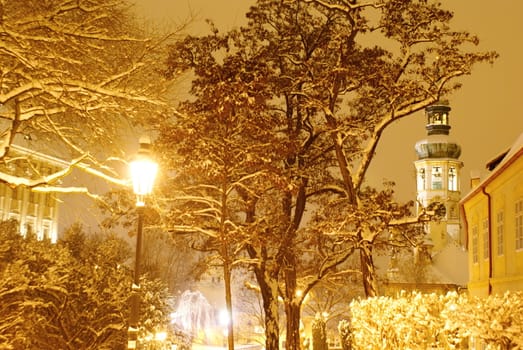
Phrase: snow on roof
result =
(494, 162)
(40, 156)
(498, 164)
(514, 149)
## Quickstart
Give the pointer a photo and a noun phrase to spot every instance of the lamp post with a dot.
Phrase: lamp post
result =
(143, 172)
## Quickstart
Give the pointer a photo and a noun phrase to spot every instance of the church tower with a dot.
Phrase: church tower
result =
(438, 177)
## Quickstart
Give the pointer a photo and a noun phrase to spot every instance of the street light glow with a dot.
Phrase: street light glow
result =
(143, 173)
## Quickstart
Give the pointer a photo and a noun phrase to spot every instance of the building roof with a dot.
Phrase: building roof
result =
(494, 162)
(498, 164)
(40, 156)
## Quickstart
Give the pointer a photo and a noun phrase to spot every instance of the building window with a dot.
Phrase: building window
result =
(32, 205)
(46, 230)
(421, 179)
(453, 213)
(453, 179)
(30, 225)
(500, 232)
(436, 178)
(439, 118)
(19, 193)
(475, 256)
(48, 200)
(519, 224)
(486, 241)
(48, 205)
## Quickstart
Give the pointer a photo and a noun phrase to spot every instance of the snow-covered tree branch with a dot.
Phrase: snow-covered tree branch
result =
(76, 78)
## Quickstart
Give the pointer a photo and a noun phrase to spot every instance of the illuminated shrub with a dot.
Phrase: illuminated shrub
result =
(424, 321)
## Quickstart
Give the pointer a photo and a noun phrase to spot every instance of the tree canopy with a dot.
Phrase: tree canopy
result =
(286, 114)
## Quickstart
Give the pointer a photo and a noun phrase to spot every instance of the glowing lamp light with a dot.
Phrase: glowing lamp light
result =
(143, 173)
(224, 317)
(160, 336)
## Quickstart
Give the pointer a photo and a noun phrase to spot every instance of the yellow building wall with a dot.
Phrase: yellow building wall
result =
(507, 264)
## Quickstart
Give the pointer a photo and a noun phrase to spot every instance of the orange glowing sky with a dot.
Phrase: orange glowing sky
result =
(486, 114)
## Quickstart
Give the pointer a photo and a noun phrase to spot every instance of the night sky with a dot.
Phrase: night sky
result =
(486, 114)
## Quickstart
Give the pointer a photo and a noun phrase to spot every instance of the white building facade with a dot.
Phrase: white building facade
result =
(36, 211)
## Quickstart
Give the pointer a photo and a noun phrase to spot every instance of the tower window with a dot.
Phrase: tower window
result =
(436, 178)
(438, 118)
(421, 179)
(453, 179)
(453, 213)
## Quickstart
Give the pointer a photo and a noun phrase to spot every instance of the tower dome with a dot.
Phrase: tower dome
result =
(437, 144)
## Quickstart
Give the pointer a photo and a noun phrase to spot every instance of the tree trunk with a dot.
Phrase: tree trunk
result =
(227, 266)
(269, 292)
(268, 283)
(228, 302)
(292, 305)
(292, 314)
(370, 284)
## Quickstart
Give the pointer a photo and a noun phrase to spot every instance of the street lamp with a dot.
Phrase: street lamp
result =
(143, 172)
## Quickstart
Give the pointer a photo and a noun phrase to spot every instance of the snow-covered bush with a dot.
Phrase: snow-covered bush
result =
(72, 294)
(496, 320)
(425, 321)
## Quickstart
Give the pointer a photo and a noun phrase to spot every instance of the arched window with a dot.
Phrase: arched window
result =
(453, 179)
(436, 178)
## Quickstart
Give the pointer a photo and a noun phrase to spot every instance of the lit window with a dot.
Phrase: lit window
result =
(30, 223)
(46, 229)
(453, 179)
(519, 224)
(453, 213)
(475, 257)
(486, 242)
(48, 200)
(32, 197)
(19, 193)
(500, 232)
(439, 118)
(436, 178)
(421, 179)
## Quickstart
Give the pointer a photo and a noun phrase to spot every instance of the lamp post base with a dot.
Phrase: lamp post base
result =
(132, 331)
(132, 338)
